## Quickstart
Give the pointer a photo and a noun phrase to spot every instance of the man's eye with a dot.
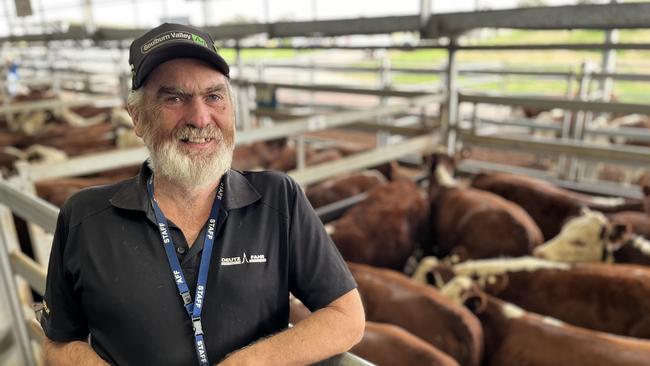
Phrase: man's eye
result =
(214, 97)
(174, 99)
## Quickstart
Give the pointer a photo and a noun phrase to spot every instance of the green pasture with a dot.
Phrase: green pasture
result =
(549, 60)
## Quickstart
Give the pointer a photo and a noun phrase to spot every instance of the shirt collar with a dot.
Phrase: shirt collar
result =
(133, 194)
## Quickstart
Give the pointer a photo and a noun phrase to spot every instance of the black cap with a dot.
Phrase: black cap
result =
(169, 41)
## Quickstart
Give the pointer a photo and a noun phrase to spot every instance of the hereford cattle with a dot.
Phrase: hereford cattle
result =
(257, 155)
(390, 297)
(548, 205)
(604, 297)
(631, 121)
(387, 344)
(384, 229)
(76, 141)
(57, 190)
(476, 223)
(516, 337)
(288, 158)
(591, 237)
(344, 186)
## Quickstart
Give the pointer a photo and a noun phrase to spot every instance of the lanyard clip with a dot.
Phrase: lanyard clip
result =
(187, 298)
(196, 326)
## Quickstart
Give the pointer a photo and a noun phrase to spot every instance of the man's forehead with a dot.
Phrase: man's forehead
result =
(170, 88)
(186, 73)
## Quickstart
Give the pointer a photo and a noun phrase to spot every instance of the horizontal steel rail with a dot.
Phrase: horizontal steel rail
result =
(28, 269)
(333, 89)
(626, 154)
(29, 207)
(637, 134)
(86, 164)
(557, 46)
(345, 68)
(523, 122)
(423, 144)
(472, 167)
(49, 104)
(550, 103)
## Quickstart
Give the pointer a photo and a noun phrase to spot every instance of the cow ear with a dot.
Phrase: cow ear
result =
(496, 284)
(646, 199)
(617, 233)
(584, 210)
(459, 254)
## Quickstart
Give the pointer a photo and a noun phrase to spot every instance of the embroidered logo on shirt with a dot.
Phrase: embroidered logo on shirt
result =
(232, 261)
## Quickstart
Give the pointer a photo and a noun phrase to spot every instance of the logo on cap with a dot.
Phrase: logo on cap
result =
(171, 36)
(199, 40)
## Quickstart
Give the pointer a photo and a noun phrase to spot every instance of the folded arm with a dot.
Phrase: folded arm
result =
(76, 353)
(329, 331)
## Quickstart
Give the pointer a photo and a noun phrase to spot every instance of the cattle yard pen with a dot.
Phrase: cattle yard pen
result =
(451, 129)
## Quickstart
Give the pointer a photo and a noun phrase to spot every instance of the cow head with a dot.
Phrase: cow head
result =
(646, 199)
(589, 237)
(463, 291)
(432, 271)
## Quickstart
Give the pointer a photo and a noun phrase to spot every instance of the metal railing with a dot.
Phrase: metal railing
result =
(15, 263)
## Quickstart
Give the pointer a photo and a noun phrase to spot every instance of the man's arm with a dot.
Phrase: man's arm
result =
(76, 353)
(329, 331)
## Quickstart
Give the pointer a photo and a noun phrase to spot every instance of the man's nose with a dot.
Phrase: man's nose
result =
(197, 113)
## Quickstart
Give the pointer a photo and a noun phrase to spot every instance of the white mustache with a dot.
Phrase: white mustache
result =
(194, 133)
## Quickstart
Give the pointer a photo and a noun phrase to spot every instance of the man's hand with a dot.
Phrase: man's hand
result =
(329, 331)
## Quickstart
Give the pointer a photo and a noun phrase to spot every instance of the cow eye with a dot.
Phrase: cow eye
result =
(578, 243)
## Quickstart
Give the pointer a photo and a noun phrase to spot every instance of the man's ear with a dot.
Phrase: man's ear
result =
(137, 123)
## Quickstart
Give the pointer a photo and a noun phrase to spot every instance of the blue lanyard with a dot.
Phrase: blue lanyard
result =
(193, 308)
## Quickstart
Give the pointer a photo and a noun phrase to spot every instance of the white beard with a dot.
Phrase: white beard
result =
(189, 170)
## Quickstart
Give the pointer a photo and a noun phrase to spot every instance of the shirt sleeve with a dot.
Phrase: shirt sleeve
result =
(63, 319)
(318, 274)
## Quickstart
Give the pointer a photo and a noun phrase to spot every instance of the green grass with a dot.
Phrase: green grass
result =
(631, 61)
(515, 85)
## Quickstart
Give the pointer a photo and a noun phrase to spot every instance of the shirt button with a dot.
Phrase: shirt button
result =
(180, 250)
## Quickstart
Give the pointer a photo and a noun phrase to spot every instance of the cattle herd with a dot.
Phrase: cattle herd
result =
(495, 270)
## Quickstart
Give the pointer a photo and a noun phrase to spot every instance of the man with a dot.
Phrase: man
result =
(190, 262)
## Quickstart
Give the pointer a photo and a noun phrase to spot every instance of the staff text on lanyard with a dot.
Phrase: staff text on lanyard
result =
(193, 308)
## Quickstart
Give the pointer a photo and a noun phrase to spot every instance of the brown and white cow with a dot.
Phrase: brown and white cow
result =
(591, 237)
(256, 155)
(387, 344)
(477, 223)
(603, 297)
(514, 336)
(57, 190)
(391, 297)
(344, 186)
(548, 205)
(385, 229)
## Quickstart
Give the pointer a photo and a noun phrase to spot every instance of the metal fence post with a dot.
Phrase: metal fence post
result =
(580, 116)
(10, 291)
(565, 133)
(385, 84)
(300, 152)
(450, 122)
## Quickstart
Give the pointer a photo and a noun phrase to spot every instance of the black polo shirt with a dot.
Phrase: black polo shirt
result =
(109, 275)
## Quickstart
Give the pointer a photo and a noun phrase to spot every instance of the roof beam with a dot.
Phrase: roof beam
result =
(604, 16)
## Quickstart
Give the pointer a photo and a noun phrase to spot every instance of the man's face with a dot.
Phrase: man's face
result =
(187, 122)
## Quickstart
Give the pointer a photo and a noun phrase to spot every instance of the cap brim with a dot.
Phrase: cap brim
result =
(180, 50)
